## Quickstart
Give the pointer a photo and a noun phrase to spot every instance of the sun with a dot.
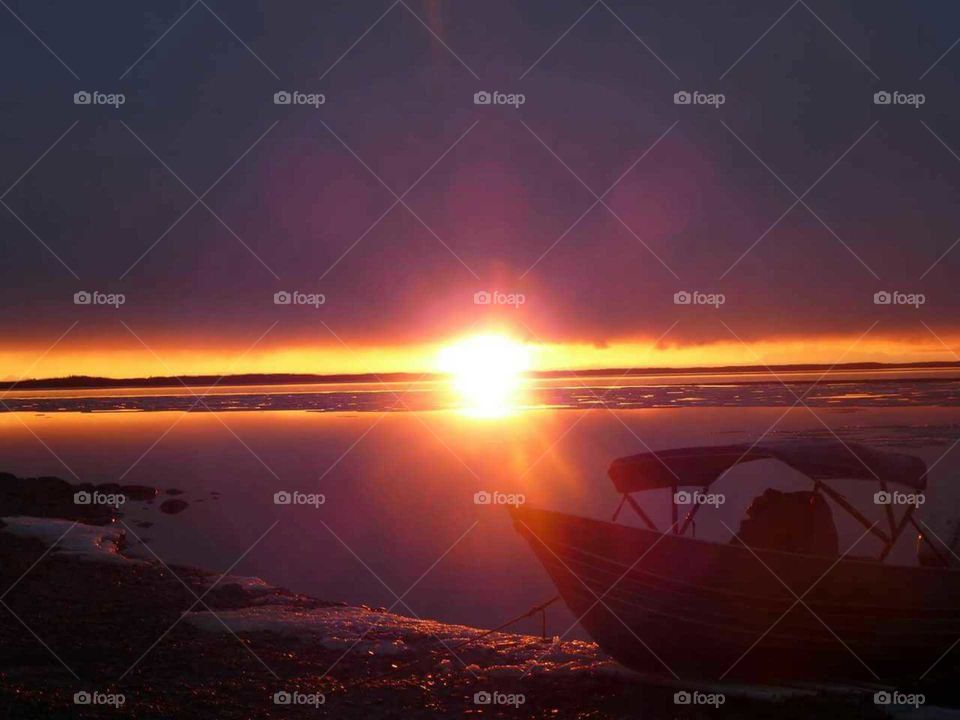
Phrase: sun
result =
(487, 372)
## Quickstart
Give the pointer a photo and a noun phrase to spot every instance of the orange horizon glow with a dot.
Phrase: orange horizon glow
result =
(165, 358)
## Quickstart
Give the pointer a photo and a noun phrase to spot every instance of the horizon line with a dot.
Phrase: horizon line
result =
(241, 379)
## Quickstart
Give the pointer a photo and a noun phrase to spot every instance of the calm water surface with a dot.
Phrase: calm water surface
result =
(399, 485)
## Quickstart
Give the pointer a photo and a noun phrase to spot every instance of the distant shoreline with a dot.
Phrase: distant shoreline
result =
(79, 382)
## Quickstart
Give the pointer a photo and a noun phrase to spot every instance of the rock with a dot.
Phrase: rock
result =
(229, 595)
(174, 491)
(47, 484)
(49, 497)
(172, 507)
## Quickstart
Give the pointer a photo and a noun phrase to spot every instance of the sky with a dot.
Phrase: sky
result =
(780, 201)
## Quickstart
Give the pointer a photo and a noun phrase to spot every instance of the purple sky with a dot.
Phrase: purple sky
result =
(502, 198)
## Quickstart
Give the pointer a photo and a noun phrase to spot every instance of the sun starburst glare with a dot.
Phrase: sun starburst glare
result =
(486, 372)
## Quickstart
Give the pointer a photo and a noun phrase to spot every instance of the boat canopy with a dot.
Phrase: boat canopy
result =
(817, 459)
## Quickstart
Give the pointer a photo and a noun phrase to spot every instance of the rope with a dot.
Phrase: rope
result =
(542, 607)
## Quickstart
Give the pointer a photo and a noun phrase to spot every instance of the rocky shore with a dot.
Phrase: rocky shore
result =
(89, 631)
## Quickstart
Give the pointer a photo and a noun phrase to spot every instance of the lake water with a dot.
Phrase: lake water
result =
(399, 472)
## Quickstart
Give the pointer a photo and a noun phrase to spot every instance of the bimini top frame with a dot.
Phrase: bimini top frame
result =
(819, 460)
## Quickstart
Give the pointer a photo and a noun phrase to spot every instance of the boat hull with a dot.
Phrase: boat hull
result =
(696, 609)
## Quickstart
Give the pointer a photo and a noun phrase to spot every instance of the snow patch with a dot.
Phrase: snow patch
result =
(90, 542)
(921, 713)
(385, 634)
(248, 584)
(336, 625)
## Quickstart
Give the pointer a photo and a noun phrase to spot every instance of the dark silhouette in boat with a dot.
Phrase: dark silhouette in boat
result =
(777, 603)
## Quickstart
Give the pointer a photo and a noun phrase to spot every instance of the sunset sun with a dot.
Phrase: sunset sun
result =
(486, 371)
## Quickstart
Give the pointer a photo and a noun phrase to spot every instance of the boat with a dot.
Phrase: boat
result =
(664, 602)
